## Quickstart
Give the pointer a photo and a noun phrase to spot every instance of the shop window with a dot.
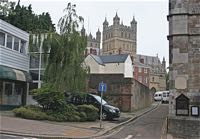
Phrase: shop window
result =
(16, 44)
(18, 89)
(1, 88)
(9, 41)
(2, 38)
(8, 89)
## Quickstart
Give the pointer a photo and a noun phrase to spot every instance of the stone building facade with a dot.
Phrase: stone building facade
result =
(157, 80)
(118, 38)
(93, 44)
(184, 68)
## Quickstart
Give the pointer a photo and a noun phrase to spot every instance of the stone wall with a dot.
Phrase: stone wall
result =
(186, 128)
(184, 65)
(125, 93)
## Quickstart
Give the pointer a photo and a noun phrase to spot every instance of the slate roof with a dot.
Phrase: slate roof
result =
(103, 59)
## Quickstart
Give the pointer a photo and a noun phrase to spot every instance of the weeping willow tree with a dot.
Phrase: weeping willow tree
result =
(65, 61)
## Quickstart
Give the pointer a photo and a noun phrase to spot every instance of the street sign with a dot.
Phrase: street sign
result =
(102, 87)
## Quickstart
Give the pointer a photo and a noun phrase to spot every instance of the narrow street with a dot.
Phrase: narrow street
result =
(148, 126)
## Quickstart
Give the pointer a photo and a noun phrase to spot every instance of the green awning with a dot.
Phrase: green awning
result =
(14, 74)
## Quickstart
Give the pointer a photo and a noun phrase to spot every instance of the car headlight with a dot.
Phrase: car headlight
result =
(112, 110)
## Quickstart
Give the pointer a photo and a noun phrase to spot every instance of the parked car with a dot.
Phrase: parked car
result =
(108, 112)
(165, 97)
(158, 96)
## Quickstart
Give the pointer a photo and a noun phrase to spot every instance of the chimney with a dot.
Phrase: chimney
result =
(142, 60)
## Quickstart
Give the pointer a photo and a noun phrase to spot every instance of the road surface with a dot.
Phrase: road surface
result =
(148, 126)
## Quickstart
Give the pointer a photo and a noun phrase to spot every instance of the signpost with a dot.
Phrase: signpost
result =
(102, 88)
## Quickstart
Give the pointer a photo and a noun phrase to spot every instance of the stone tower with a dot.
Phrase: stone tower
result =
(184, 67)
(164, 65)
(93, 44)
(118, 38)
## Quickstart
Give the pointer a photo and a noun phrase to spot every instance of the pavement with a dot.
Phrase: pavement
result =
(45, 129)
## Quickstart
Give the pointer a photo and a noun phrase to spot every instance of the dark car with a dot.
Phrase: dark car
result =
(108, 112)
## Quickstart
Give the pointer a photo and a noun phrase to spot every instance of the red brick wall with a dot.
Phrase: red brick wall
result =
(127, 94)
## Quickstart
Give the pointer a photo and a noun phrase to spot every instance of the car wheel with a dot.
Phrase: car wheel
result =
(104, 116)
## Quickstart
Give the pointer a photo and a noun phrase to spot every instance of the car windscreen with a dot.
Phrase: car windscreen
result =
(98, 98)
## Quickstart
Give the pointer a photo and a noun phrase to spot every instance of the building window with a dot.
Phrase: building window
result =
(2, 38)
(8, 88)
(91, 44)
(139, 69)
(122, 34)
(145, 70)
(140, 79)
(129, 36)
(16, 44)
(146, 80)
(125, 35)
(9, 41)
(22, 46)
(18, 89)
(152, 79)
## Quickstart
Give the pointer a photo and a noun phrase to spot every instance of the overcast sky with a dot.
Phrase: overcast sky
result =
(152, 25)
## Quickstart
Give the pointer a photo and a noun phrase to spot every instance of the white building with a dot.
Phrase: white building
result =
(14, 65)
(110, 64)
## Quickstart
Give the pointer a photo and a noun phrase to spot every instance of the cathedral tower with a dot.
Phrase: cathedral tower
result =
(119, 38)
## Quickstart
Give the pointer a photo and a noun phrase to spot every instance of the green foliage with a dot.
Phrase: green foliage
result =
(24, 18)
(64, 69)
(5, 8)
(68, 113)
(48, 98)
(30, 113)
(90, 111)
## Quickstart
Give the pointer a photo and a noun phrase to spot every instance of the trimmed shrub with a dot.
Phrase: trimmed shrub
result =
(90, 111)
(83, 116)
(29, 113)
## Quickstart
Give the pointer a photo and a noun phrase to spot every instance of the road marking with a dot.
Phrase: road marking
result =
(129, 137)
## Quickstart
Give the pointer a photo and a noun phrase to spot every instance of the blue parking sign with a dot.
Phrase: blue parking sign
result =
(102, 87)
